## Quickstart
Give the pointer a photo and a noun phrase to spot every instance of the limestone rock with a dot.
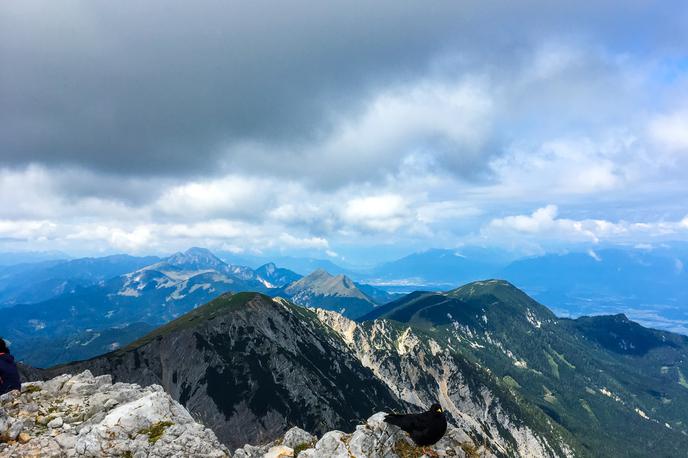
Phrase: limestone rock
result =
(296, 437)
(23, 437)
(89, 416)
(374, 439)
(55, 423)
(279, 451)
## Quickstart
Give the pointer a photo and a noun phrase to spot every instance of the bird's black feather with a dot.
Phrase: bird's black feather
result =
(424, 428)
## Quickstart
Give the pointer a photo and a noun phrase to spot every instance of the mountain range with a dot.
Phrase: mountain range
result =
(101, 313)
(36, 282)
(508, 372)
(645, 282)
(648, 283)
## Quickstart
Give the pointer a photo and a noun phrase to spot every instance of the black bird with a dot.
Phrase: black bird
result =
(424, 428)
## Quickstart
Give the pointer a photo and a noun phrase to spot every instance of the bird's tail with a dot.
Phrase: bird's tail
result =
(393, 419)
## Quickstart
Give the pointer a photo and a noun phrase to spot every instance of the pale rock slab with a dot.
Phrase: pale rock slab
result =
(86, 416)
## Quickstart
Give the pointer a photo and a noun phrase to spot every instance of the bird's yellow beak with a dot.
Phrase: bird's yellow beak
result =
(439, 410)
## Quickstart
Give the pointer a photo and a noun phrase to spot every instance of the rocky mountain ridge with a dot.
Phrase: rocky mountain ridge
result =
(618, 388)
(253, 366)
(510, 374)
(249, 367)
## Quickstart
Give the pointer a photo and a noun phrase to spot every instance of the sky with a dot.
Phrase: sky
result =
(354, 131)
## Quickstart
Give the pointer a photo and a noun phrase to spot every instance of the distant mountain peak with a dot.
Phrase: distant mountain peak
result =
(270, 267)
(473, 303)
(320, 273)
(483, 287)
(199, 251)
(200, 254)
(193, 259)
(324, 290)
(321, 282)
(275, 277)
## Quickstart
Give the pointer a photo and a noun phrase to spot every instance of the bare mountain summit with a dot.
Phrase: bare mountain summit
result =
(331, 292)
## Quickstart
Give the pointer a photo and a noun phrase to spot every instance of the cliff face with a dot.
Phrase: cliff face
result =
(420, 370)
(86, 416)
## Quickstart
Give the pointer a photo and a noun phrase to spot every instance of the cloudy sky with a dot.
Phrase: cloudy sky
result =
(355, 131)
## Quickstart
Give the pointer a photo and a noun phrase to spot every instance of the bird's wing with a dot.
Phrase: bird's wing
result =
(409, 423)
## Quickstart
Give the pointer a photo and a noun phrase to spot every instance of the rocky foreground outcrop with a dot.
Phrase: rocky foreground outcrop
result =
(374, 439)
(86, 416)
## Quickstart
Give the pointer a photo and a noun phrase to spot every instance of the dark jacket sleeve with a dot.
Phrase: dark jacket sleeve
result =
(9, 375)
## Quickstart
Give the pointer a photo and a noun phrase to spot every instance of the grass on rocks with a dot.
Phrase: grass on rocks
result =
(31, 389)
(305, 446)
(155, 431)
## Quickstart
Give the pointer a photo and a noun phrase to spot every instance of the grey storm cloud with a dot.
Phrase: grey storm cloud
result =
(162, 87)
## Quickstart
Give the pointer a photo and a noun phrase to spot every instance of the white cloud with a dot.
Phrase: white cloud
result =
(29, 230)
(446, 210)
(290, 241)
(27, 193)
(569, 166)
(405, 118)
(450, 119)
(385, 213)
(230, 195)
(127, 239)
(670, 131)
(209, 229)
(545, 227)
(542, 218)
(134, 240)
